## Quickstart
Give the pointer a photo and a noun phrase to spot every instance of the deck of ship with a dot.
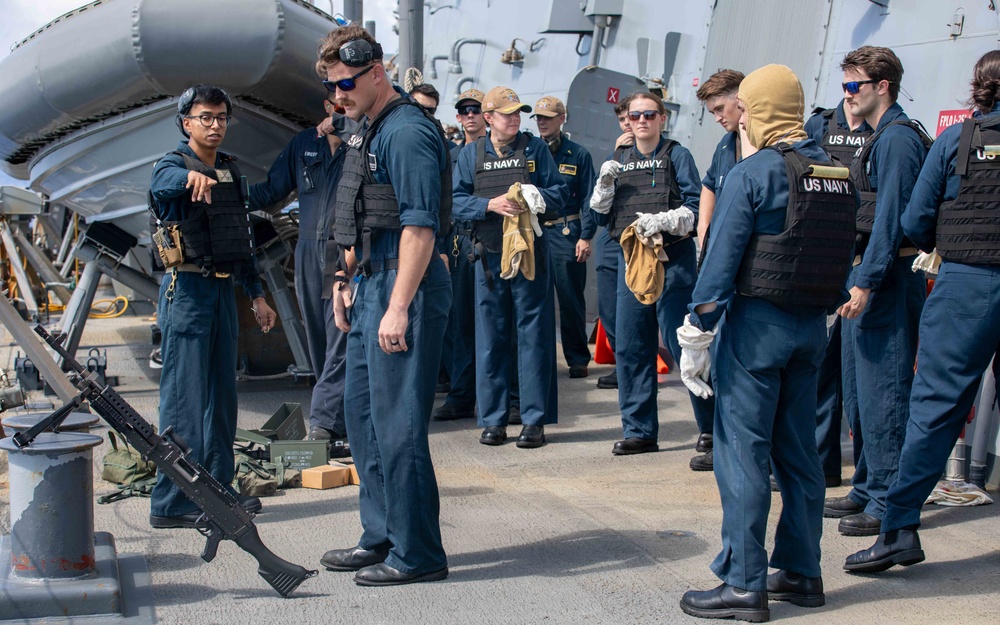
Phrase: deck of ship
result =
(562, 534)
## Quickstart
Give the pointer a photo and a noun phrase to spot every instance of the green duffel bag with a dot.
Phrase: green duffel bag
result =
(124, 467)
(260, 478)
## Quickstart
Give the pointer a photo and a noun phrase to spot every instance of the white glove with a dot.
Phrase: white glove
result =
(678, 221)
(536, 203)
(696, 361)
(609, 173)
(928, 263)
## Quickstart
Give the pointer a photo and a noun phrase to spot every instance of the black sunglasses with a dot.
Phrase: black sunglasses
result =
(430, 109)
(473, 109)
(649, 115)
(855, 85)
(346, 84)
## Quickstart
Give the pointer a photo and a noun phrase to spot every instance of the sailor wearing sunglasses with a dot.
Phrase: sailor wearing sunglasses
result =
(654, 188)
(880, 322)
(392, 199)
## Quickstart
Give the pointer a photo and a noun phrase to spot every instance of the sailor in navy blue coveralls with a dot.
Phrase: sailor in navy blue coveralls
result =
(197, 316)
(960, 324)
(309, 165)
(521, 306)
(841, 142)
(880, 344)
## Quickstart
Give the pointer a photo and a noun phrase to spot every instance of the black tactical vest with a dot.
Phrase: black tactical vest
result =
(807, 264)
(494, 175)
(218, 236)
(645, 185)
(364, 205)
(839, 143)
(968, 227)
(859, 175)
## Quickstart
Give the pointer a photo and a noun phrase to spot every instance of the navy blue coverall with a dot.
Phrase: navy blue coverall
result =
(880, 345)
(576, 168)
(959, 333)
(637, 337)
(521, 306)
(830, 402)
(388, 397)
(308, 165)
(197, 318)
(765, 364)
(459, 351)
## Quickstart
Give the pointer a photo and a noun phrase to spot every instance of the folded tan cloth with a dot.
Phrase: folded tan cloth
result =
(644, 258)
(518, 240)
(948, 493)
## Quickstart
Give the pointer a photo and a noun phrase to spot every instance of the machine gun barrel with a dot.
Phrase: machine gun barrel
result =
(227, 519)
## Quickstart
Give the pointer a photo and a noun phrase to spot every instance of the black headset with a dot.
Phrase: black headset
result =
(358, 53)
(186, 101)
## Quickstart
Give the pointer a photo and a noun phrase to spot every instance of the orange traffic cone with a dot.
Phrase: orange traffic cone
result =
(662, 367)
(603, 354)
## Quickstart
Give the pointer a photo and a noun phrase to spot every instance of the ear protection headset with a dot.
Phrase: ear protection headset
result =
(358, 53)
(186, 101)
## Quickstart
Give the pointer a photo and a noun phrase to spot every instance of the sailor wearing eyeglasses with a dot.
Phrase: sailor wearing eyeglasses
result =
(880, 322)
(392, 200)
(459, 357)
(311, 164)
(197, 307)
(654, 188)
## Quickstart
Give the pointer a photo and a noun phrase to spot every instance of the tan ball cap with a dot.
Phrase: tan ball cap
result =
(550, 106)
(474, 95)
(503, 100)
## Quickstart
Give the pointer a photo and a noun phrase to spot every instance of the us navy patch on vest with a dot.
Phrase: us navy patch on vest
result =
(643, 164)
(355, 141)
(569, 170)
(224, 175)
(826, 185)
(506, 163)
(531, 166)
(851, 140)
(372, 163)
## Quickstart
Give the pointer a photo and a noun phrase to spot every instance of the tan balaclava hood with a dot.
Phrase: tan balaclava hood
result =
(774, 105)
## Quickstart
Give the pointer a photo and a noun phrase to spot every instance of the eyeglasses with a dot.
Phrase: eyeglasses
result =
(649, 115)
(855, 85)
(207, 119)
(470, 109)
(346, 84)
(430, 109)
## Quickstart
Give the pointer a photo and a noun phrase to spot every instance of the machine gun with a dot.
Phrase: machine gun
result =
(225, 517)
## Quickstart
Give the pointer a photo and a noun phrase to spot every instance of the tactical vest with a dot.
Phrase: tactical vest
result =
(842, 144)
(808, 263)
(968, 227)
(866, 212)
(645, 186)
(494, 175)
(364, 205)
(218, 236)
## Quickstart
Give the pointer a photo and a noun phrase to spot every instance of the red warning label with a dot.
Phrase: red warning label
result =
(950, 118)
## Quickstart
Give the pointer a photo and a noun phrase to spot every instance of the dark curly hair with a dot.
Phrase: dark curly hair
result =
(986, 82)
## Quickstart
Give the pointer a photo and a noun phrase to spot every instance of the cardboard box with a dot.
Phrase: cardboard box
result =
(326, 476)
(354, 479)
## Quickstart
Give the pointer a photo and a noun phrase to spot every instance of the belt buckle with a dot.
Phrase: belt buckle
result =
(222, 275)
